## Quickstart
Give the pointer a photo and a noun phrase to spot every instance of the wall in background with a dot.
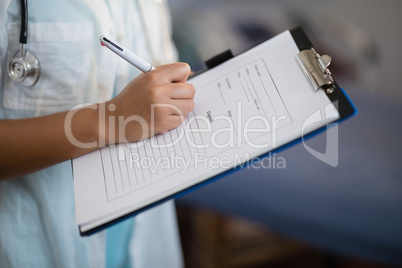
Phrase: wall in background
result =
(363, 36)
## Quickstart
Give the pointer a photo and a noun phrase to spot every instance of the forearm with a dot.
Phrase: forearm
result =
(148, 105)
(28, 145)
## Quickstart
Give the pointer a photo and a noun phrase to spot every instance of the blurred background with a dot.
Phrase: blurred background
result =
(309, 214)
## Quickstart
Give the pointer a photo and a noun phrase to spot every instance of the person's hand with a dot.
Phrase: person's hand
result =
(153, 103)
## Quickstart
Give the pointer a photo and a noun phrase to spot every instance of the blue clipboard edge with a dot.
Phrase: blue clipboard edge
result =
(345, 108)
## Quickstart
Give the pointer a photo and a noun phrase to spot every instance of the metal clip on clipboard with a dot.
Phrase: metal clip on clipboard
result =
(315, 68)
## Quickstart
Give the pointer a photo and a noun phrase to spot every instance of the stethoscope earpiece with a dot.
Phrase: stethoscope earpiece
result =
(24, 68)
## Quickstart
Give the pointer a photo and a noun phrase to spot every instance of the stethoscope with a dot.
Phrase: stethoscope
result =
(24, 67)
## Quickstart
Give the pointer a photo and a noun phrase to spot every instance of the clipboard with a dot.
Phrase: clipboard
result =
(312, 66)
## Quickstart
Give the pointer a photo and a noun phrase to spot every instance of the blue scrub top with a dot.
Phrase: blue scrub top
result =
(37, 226)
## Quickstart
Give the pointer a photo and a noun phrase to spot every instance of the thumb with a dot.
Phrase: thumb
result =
(176, 72)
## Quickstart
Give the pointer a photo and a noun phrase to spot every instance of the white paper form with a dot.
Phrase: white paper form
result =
(245, 107)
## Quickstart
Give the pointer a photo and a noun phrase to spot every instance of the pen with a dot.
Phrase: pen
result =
(126, 54)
